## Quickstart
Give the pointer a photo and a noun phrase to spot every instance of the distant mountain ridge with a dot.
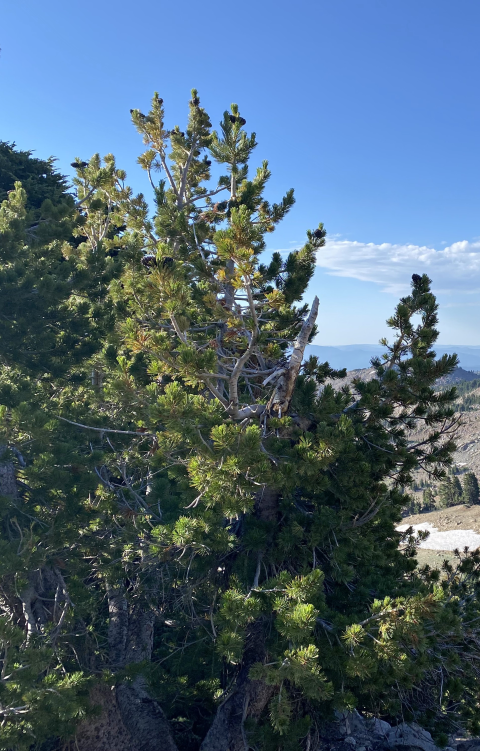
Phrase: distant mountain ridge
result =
(368, 374)
(356, 356)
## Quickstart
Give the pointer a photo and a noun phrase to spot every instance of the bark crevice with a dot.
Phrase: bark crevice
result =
(130, 719)
(248, 700)
(8, 480)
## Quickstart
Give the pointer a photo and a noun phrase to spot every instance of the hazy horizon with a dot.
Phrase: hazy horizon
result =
(354, 356)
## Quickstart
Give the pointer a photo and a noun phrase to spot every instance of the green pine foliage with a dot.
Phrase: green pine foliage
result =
(449, 492)
(422, 505)
(55, 315)
(428, 500)
(200, 521)
(39, 178)
(470, 490)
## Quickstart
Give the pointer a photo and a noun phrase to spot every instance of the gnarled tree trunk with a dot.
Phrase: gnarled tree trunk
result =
(247, 701)
(129, 718)
(249, 698)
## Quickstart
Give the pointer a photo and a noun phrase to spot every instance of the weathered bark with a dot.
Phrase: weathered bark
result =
(117, 624)
(266, 504)
(282, 396)
(129, 718)
(106, 731)
(247, 701)
(8, 482)
(227, 731)
(139, 643)
(144, 718)
(44, 584)
(249, 698)
(130, 628)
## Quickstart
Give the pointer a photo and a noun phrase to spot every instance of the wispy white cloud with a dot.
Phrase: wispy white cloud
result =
(455, 268)
(461, 304)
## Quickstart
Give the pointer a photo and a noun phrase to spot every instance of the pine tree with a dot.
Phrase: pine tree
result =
(206, 543)
(40, 181)
(450, 492)
(470, 492)
(457, 490)
(428, 503)
(54, 318)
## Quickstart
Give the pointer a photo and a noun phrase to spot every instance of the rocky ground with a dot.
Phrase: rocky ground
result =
(455, 517)
(353, 732)
(467, 455)
(467, 438)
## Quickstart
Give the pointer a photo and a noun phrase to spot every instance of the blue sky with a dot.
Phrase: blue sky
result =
(370, 109)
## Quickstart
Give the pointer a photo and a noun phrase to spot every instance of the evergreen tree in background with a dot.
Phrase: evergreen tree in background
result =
(39, 179)
(450, 492)
(457, 489)
(198, 545)
(53, 302)
(470, 493)
(428, 501)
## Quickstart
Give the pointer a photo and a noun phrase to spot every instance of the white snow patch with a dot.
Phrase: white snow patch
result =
(450, 540)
